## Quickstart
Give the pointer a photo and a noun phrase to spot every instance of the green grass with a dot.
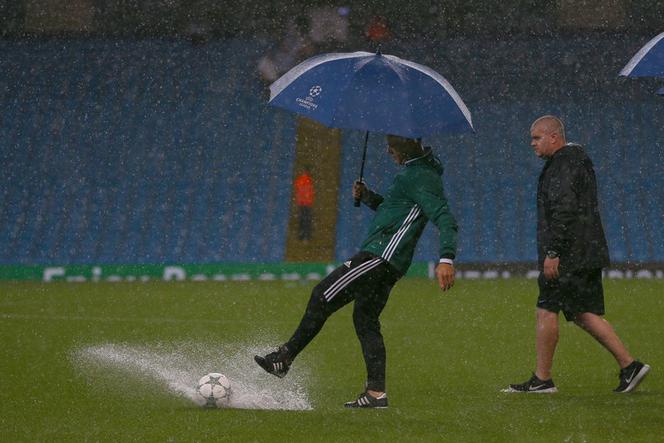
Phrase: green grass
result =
(448, 356)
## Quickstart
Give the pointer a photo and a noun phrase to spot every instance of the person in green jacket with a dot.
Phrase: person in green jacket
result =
(415, 197)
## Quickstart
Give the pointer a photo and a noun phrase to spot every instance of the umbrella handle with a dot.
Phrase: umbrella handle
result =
(356, 203)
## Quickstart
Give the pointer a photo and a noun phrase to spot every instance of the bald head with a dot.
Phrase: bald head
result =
(551, 125)
(547, 135)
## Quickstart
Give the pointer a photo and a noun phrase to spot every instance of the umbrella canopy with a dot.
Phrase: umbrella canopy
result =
(372, 92)
(649, 61)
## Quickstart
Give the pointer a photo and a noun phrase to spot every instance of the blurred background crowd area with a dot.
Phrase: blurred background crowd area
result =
(373, 19)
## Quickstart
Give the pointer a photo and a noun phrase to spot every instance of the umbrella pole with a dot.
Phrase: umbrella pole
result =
(364, 157)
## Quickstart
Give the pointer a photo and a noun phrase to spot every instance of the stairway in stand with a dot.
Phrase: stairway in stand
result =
(317, 149)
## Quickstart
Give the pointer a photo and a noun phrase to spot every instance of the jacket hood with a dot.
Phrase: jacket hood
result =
(571, 149)
(427, 159)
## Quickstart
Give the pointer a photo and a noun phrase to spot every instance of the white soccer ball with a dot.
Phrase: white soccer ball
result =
(213, 391)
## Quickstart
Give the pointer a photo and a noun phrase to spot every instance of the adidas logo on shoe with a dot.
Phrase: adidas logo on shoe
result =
(276, 363)
(368, 401)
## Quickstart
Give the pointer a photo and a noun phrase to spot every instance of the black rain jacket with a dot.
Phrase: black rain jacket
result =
(568, 218)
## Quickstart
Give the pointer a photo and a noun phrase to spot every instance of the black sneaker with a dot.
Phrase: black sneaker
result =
(533, 386)
(631, 376)
(276, 363)
(367, 401)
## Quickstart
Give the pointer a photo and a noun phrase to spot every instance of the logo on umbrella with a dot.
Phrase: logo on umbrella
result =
(308, 102)
(386, 97)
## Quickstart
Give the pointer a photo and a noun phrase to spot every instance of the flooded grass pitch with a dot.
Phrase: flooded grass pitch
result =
(177, 368)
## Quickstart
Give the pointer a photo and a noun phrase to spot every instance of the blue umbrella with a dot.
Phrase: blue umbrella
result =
(372, 92)
(649, 61)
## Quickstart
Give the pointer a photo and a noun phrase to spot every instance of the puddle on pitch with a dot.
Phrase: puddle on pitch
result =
(178, 367)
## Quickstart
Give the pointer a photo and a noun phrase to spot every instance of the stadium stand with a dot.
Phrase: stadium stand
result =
(157, 151)
(140, 152)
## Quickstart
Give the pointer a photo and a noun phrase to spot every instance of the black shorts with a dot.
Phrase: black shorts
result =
(573, 292)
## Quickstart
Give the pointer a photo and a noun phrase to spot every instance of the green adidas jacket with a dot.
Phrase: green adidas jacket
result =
(415, 197)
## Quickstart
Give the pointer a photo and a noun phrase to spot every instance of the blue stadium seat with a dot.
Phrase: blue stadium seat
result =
(157, 151)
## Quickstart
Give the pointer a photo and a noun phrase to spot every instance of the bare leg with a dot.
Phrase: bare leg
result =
(546, 341)
(603, 332)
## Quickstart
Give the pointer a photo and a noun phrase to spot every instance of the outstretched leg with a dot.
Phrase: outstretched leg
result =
(331, 294)
(315, 316)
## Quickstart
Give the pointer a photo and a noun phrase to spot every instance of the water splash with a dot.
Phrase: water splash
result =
(178, 367)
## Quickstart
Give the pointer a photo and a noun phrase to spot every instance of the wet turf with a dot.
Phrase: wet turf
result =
(449, 354)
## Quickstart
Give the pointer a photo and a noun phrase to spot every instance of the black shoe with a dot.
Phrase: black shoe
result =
(367, 401)
(276, 363)
(631, 376)
(533, 386)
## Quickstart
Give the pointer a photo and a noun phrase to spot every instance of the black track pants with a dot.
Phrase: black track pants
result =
(367, 280)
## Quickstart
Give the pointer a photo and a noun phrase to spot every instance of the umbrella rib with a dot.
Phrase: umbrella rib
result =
(282, 83)
(344, 88)
(443, 82)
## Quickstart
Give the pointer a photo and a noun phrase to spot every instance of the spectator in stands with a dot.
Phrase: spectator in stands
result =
(415, 197)
(378, 30)
(291, 50)
(572, 251)
(303, 188)
(323, 28)
(329, 27)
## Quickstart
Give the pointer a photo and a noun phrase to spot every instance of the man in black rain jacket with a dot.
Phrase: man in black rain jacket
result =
(572, 251)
